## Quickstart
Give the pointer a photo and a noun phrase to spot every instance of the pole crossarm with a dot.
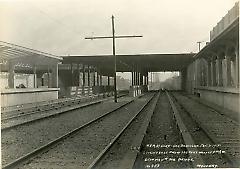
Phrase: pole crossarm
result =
(110, 37)
(113, 37)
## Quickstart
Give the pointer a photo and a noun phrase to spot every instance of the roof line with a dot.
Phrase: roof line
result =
(26, 49)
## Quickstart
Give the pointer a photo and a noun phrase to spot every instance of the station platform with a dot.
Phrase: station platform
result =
(45, 101)
(12, 97)
(227, 98)
(219, 108)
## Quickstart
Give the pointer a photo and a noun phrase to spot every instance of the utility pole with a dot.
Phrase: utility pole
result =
(115, 61)
(199, 45)
(113, 37)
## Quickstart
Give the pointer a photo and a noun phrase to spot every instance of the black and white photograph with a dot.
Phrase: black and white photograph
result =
(119, 84)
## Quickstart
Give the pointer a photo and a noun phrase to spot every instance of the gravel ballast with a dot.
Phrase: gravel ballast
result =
(80, 150)
(23, 139)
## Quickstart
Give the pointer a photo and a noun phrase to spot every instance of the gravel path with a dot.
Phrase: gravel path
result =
(23, 139)
(80, 150)
(161, 131)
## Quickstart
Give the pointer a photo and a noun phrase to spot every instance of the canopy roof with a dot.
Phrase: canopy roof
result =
(24, 59)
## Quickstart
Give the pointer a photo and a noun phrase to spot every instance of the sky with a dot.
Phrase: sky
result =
(59, 26)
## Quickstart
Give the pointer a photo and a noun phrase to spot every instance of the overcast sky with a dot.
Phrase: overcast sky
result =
(59, 26)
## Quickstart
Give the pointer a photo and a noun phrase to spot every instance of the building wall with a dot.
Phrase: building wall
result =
(221, 87)
(214, 74)
(227, 98)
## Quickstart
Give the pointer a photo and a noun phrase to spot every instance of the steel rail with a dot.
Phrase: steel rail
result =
(188, 140)
(103, 152)
(45, 103)
(53, 106)
(56, 102)
(48, 116)
(53, 115)
(57, 140)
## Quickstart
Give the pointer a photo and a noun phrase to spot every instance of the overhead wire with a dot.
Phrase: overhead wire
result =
(54, 19)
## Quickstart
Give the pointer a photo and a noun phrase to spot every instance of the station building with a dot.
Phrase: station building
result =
(27, 75)
(214, 73)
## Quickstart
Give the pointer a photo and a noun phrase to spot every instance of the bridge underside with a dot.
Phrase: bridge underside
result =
(127, 63)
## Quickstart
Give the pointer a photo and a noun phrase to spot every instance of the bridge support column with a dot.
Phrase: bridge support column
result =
(71, 69)
(100, 80)
(237, 76)
(213, 71)
(78, 74)
(235, 67)
(132, 78)
(89, 79)
(219, 71)
(139, 79)
(97, 78)
(84, 80)
(136, 82)
(108, 81)
(135, 79)
(228, 71)
(233, 71)
(209, 78)
(147, 79)
(88, 75)
(183, 75)
(94, 77)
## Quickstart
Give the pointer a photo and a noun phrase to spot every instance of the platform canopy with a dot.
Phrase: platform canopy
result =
(126, 63)
(24, 59)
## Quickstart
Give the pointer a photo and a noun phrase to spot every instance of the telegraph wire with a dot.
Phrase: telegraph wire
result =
(54, 19)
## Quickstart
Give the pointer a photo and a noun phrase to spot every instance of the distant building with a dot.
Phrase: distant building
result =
(123, 84)
(156, 77)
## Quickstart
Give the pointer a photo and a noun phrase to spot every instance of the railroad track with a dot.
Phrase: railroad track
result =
(43, 108)
(12, 123)
(56, 141)
(49, 112)
(175, 121)
(220, 130)
(174, 139)
(161, 135)
(123, 153)
(105, 157)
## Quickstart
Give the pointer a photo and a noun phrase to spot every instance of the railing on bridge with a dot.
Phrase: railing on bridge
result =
(226, 21)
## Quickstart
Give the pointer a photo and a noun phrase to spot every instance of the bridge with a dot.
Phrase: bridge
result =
(49, 96)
